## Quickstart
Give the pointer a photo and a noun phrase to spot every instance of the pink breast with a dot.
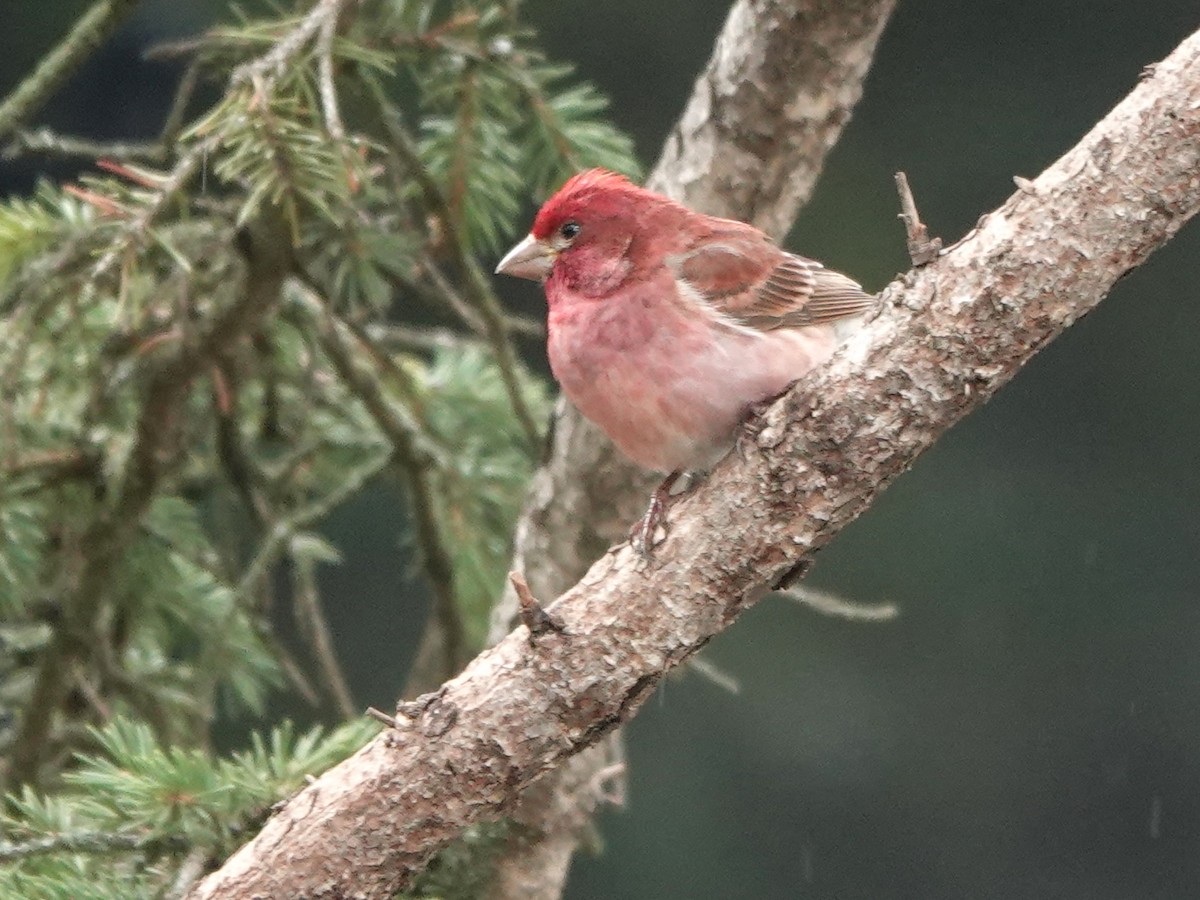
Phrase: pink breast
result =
(667, 384)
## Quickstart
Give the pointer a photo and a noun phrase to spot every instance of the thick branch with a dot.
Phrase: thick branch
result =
(947, 337)
(780, 87)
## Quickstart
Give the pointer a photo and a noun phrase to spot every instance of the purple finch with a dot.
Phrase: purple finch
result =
(666, 326)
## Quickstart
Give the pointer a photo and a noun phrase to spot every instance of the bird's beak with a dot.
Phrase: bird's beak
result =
(530, 259)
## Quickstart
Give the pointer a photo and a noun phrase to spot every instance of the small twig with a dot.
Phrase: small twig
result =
(398, 423)
(259, 73)
(706, 669)
(396, 373)
(271, 64)
(293, 671)
(480, 292)
(104, 207)
(922, 249)
(137, 227)
(533, 614)
(176, 49)
(173, 124)
(189, 873)
(138, 176)
(92, 694)
(296, 674)
(306, 601)
(453, 299)
(422, 339)
(97, 842)
(413, 456)
(380, 716)
(832, 605)
(417, 339)
(478, 289)
(53, 465)
(51, 143)
(328, 89)
(247, 480)
(232, 452)
(284, 528)
(523, 326)
(81, 41)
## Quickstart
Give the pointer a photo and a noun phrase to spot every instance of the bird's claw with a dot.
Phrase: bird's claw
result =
(641, 536)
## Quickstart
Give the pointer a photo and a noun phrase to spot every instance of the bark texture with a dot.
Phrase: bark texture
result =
(947, 336)
(784, 77)
(782, 82)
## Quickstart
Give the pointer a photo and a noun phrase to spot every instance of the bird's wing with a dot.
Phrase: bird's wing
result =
(752, 282)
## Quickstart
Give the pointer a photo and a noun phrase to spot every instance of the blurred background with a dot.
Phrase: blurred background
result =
(1030, 725)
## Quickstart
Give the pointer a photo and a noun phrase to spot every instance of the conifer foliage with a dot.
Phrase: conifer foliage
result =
(207, 344)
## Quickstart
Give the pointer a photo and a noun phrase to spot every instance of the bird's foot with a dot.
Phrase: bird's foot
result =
(641, 536)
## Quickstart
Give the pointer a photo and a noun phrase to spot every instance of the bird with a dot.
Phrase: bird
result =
(666, 326)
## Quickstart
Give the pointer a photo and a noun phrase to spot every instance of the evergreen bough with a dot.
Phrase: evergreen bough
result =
(208, 343)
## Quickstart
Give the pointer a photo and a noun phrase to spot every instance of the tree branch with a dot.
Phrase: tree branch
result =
(487, 309)
(84, 39)
(155, 449)
(947, 337)
(44, 140)
(262, 73)
(922, 248)
(313, 625)
(784, 77)
(412, 455)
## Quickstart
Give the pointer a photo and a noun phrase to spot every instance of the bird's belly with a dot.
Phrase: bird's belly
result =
(671, 395)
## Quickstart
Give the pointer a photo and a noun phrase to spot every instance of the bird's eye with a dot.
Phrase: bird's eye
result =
(569, 230)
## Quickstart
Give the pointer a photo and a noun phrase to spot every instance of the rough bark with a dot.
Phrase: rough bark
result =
(947, 336)
(784, 78)
(782, 82)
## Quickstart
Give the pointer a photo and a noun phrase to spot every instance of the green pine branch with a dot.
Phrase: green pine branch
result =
(135, 810)
(178, 424)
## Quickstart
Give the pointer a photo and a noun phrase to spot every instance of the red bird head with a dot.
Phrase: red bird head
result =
(594, 194)
(590, 230)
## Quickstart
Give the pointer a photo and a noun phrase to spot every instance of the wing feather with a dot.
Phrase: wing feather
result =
(745, 278)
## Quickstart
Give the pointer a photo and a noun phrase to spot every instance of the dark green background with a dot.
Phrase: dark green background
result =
(1030, 726)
